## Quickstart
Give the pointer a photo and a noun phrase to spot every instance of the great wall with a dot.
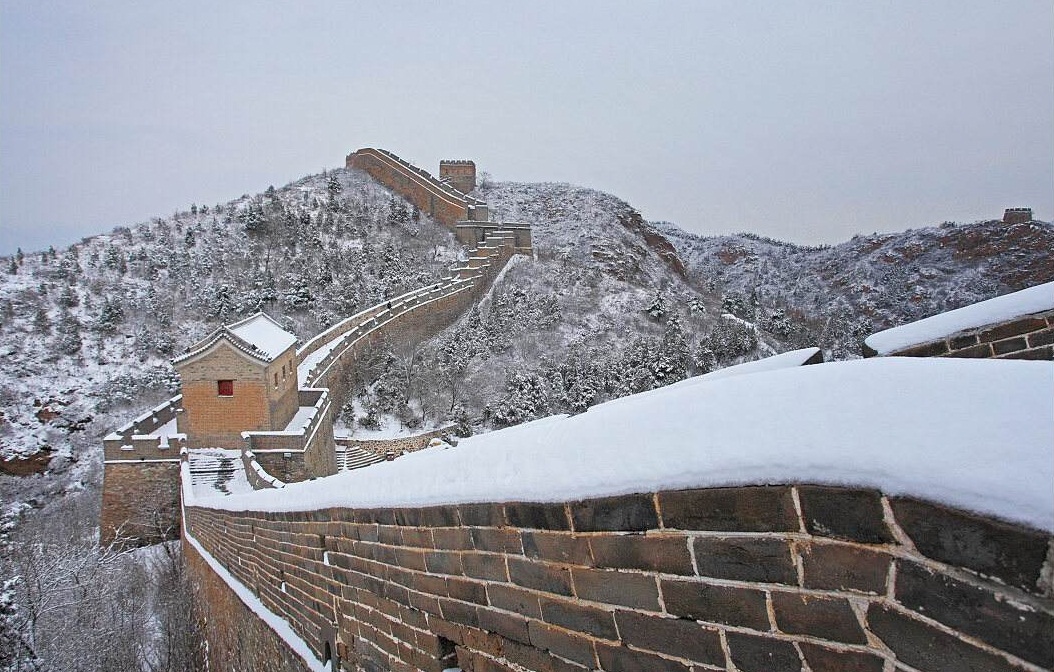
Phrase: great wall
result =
(756, 577)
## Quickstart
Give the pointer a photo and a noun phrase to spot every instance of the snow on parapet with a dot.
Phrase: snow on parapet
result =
(1000, 309)
(972, 434)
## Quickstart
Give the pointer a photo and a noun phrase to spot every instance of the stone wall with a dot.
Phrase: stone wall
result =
(763, 578)
(443, 203)
(140, 502)
(1028, 337)
(396, 446)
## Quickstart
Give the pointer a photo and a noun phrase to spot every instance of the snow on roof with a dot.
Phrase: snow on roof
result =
(973, 434)
(263, 333)
(1032, 300)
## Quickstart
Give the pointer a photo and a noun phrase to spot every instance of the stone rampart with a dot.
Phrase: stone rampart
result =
(1026, 337)
(754, 579)
(441, 201)
(395, 446)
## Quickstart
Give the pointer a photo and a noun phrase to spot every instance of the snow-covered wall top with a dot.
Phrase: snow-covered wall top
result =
(1007, 307)
(974, 434)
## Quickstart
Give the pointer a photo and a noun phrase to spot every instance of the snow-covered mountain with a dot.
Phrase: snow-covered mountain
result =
(610, 304)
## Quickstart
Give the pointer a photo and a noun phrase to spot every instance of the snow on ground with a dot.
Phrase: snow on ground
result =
(974, 434)
(1018, 304)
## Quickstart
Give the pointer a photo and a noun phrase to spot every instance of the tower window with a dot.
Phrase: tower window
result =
(225, 388)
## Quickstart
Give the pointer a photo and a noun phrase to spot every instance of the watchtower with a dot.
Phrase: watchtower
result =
(241, 377)
(459, 174)
(1017, 215)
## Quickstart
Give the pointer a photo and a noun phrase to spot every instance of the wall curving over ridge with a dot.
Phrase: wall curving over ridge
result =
(763, 578)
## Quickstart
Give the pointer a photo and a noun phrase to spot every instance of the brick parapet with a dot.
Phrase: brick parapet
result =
(1025, 337)
(760, 577)
(443, 202)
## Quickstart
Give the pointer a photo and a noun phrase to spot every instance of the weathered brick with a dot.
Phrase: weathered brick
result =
(1042, 353)
(512, 626)
(514, 599)
(1015, 328)
(934, 349)
(758, 559)
(459, 612)
(1009, 345)
(1038, 338)
(466, 590)
(540, 576)
(927, 648)
(537, 516)
(844, 513)
(960, 342)
(481, 515)
(452, 538)
(497, 540)
(625, 513)
(744, 509)
(716, 604)
(564, 644)
(658, 553)
(578, 617)
(980, 351)
(623, 659)
(988, 613)
(532, 658)
(823, 659)
(986, 546)
(843, 567)
(827, 618)
(673, 636)
(557, 547)
(439, 516)
(611, 587)
(443, 562)
(762, 654)
(417, 537)
(484, 566)
(410, 558)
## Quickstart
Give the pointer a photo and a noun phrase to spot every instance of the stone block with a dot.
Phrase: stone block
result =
(672, 636)
(829, 618)
(540, 576)
(537, 516)
(640, 591)
(757, 559)
(512, 626)
(743, 509)
(562, 643)
(623, 659)
(844, 513)
(481, 515)
(752, 653)
(657, 553)
(557, 547)
(484, 566)
(823, 659)
(517, 600)
(925, 647)
(844, 567)
(1014, 328)
(1043, 337)
(497, 540)
(986, 546)
(578, 617)
(989, 613)
(1009, 345)
(728, 605)
(625, 513)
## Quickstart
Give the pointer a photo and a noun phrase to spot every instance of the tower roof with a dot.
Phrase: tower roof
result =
(258, 336)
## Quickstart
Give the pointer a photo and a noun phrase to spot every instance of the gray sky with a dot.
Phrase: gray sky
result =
(807, 121)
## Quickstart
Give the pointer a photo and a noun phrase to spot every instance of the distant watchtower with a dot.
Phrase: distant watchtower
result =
(241, 377)
(1017, 215)
(459, 174)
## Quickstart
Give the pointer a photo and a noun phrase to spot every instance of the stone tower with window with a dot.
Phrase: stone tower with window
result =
(240, 378)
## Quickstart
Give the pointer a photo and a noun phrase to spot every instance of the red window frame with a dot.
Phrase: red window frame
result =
(225, 388)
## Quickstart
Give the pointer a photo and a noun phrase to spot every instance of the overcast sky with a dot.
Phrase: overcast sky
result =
(804, 121)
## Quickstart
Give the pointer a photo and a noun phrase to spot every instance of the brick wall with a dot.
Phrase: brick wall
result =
(446, 205)
(765, 578)
(1028, 337)
(140, 502)
(395, 446)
